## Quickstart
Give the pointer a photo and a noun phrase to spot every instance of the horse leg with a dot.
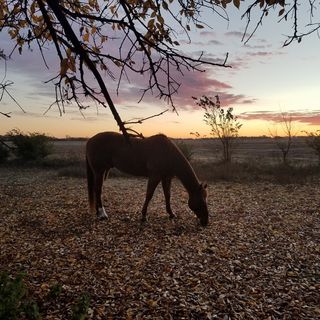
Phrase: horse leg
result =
(152, 184)
(166, 186)
(98, 182)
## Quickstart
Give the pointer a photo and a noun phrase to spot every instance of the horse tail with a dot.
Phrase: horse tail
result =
(90, 182)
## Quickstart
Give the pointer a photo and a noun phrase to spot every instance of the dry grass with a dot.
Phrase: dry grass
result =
(255, 159)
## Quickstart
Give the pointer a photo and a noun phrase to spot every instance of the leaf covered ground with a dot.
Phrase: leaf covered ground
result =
(257, 259)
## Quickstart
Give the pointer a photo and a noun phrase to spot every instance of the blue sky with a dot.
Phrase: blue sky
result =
(265, 80)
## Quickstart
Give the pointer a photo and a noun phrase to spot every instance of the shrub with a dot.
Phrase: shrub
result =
(14, 301)
(12, 291)
(223, 123)
(32, 146)
(81, 308)
(313, 141)
(4, 153)
(55, 291)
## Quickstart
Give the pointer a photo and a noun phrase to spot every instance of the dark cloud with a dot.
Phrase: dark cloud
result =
(236, 34)
(261, 54)
(228, 99)
(212, 34)
(209, 57)
(215, 42)
(258, 46)
(203, 43)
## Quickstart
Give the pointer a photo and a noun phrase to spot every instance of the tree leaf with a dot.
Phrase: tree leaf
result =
(63, 67)
(85, 37)
(236, 3)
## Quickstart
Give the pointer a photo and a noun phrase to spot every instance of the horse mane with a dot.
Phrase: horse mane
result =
(135, 134)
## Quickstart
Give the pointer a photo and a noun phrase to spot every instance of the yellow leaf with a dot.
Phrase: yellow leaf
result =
(103, 39)
(71, 64)
(93, 30)
(69, 52)
(160, 19)
(152, 303)
(117, 63)
(85, 37)
(151, 23)
(13, 33)
(63, 67)
(236, 3)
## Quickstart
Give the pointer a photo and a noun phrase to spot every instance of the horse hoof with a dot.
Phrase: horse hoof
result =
(143, 221)
(101, 214)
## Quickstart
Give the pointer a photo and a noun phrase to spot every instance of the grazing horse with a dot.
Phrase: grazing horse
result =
(155, 157)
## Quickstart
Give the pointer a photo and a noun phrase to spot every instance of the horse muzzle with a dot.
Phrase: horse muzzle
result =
(203, 219)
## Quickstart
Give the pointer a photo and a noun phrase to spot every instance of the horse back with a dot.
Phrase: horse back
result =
(152, 155)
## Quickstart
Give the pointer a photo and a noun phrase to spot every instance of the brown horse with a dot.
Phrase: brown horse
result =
(155, 157)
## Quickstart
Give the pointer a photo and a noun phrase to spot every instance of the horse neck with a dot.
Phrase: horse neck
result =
(187, 176)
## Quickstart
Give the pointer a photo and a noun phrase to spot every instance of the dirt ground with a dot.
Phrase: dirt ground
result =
(259, 258)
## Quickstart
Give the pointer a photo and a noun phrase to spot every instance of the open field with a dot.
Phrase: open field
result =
(260, 149)
(257, 259)
(254, 159)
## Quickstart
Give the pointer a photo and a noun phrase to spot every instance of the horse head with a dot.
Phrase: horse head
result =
(198, 204)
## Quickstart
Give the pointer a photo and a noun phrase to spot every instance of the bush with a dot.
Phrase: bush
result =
(4, 153)
(14, 301)
(32, 146)
(81, 308)
(313, 141)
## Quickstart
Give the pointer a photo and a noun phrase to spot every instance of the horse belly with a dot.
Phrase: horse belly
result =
(131, 166)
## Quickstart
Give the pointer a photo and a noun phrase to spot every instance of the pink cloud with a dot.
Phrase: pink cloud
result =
(305, 117)
(192, 83)
(211, 34)
(261, 54)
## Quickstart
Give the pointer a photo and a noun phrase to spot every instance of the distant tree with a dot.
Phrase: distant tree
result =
(313, 141)
(284, 143)
(4, 152)
(32, 146)
(223, 123)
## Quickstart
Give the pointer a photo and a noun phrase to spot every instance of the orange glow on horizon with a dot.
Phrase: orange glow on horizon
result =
(63, 127)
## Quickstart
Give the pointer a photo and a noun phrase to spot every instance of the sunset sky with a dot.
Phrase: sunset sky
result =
(265, 80)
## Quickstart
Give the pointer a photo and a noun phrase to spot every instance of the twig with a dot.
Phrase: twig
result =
(139, 121)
